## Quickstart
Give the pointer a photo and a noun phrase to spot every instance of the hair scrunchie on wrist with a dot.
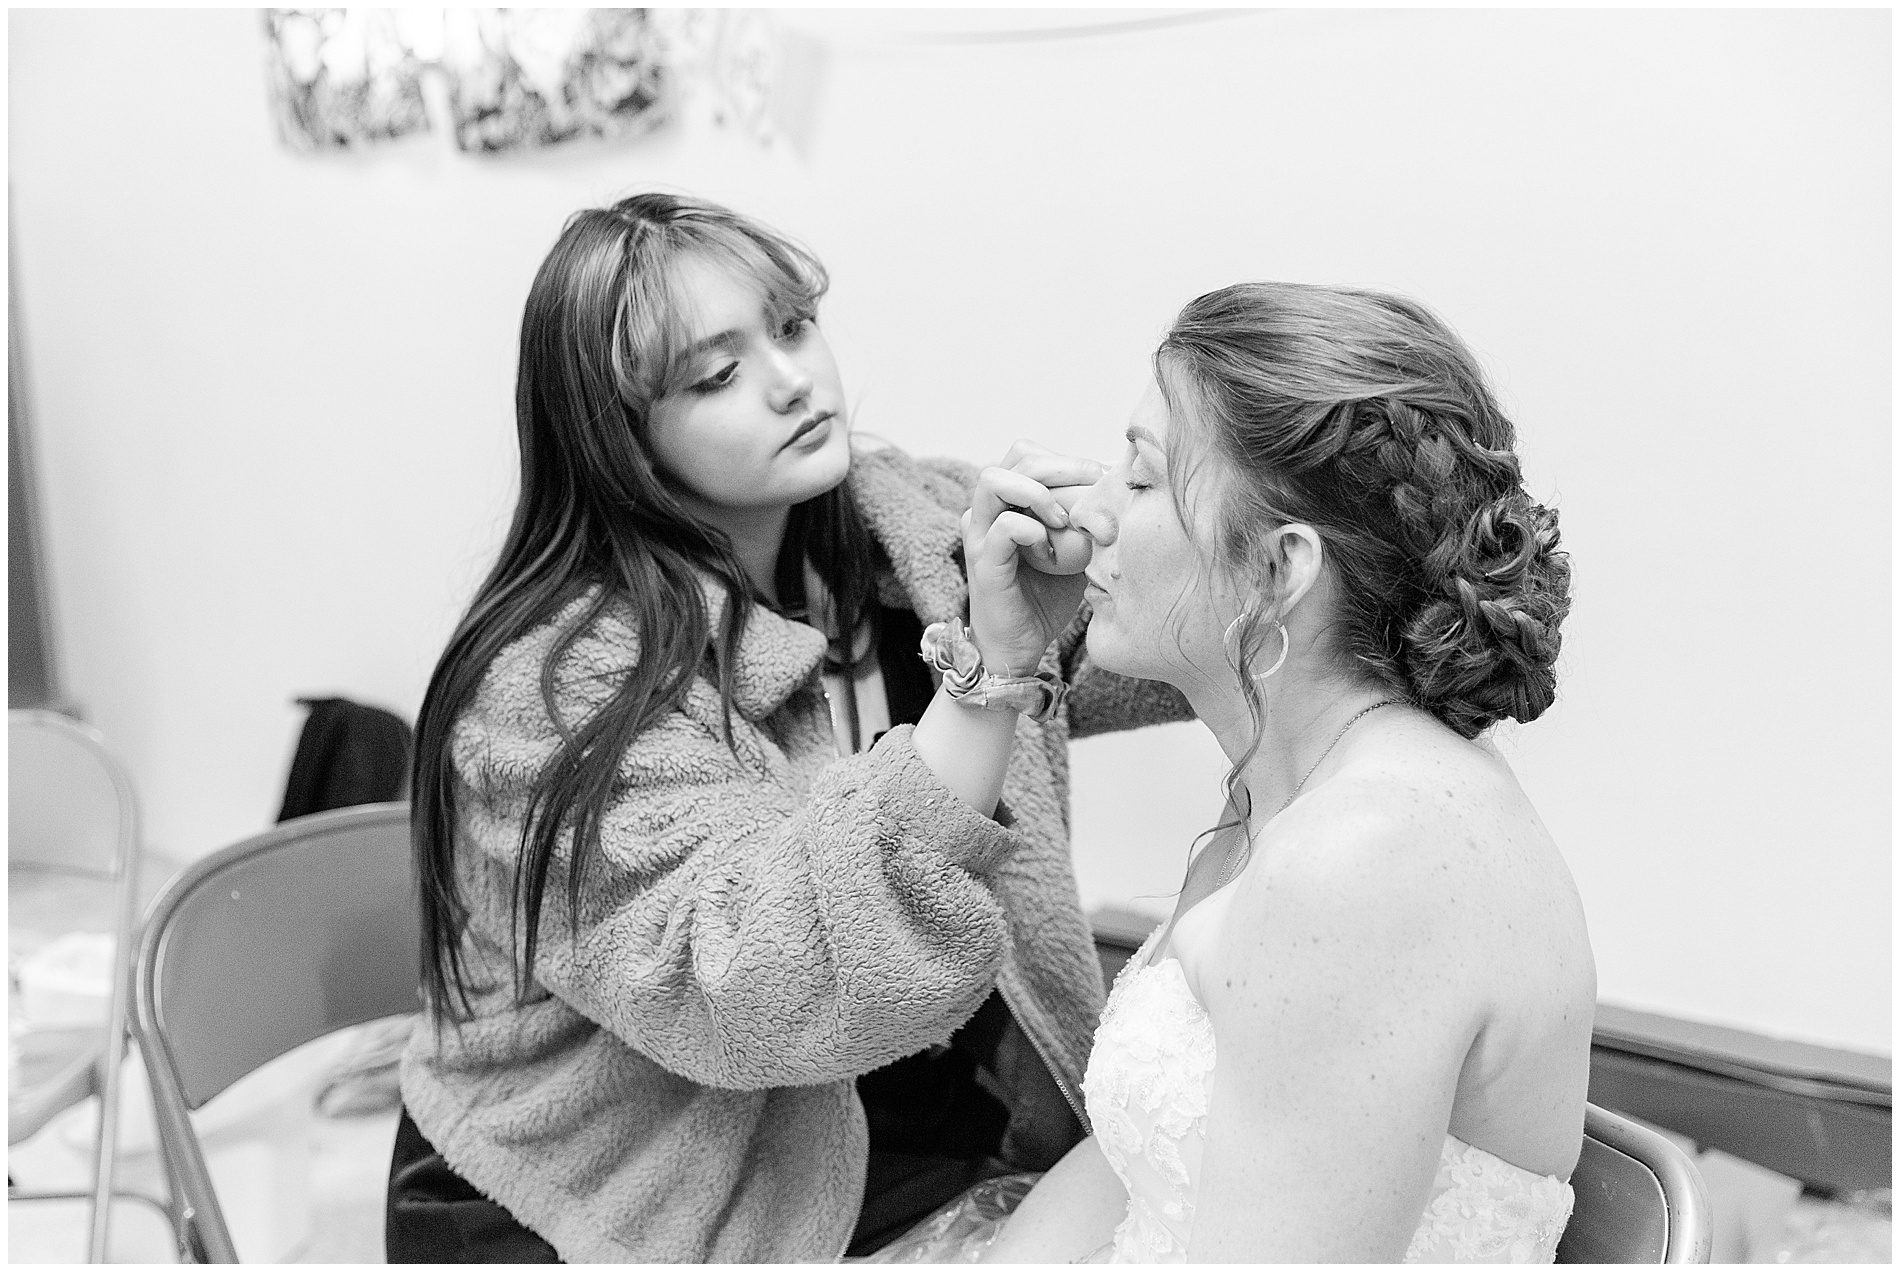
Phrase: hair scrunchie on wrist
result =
(947, 647)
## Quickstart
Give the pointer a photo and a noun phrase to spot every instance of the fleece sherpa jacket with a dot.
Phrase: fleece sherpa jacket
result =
(757, 930)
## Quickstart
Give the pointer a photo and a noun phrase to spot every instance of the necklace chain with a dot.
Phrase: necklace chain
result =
(1337, 739)
(1234, 859)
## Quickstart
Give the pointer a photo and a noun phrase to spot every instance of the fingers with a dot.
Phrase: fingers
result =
(1024, 532)
(1014, 612)
(997, 542)
(1050, 550)
(1069, 553)
(1034, 542)
(1010, 537)
(1063, 470)
(999, 490)
(1043, 465)
(1069, 496)
(1022, 448)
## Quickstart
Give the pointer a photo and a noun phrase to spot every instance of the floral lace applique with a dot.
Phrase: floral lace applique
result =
(1147, 1088)
(1485, 1210)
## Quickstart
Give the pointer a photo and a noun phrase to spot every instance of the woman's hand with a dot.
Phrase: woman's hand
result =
(1069, 549)
(1019, 515)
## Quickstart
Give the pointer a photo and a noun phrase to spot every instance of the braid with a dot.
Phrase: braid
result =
(1477, 644)
(1485, 648)
(1363, 416)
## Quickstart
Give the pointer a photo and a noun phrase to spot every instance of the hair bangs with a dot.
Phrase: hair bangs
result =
(653, 330)
(604, 336)
(1219, 538)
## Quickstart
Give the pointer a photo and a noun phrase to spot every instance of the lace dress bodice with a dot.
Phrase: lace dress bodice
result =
(1147, 1090)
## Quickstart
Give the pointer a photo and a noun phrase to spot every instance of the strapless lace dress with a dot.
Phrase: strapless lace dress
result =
(1147, 1087)
(1147, 1090)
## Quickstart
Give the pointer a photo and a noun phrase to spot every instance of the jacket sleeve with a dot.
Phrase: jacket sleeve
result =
(744, 936)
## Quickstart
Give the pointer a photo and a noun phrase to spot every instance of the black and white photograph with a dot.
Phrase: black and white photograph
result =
(950, 635)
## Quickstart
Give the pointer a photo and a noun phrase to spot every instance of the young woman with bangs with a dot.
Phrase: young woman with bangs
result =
(749, 935)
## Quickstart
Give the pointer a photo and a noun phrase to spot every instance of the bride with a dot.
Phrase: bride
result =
(1364, 1033)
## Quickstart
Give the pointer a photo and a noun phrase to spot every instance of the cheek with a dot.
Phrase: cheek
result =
(1154, 549)
(1173, 589)
(698, 451)
(820, 363)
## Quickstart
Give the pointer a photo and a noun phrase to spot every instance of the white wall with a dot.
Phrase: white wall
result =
(274, 415)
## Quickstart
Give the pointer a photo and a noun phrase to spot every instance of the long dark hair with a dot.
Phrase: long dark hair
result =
(602, 340)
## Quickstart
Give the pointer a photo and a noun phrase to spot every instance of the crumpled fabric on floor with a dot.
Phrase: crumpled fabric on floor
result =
(1856, 1228)
(961, 1231)
(365, 1078)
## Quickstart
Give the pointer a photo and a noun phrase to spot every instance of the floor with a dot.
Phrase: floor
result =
(300, 1186)
(296, 1186)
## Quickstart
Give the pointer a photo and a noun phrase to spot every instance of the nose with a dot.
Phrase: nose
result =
(791, 383)
(1093, 514)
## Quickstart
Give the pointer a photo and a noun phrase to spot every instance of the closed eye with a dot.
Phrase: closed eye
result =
(718, 379)
(1136, 479)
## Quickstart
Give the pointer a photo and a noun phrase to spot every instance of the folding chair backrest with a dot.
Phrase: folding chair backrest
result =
(1639, 1198)
(70, 803)
(285, 937)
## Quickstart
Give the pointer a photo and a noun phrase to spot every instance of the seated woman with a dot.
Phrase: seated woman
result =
(1364, 1034)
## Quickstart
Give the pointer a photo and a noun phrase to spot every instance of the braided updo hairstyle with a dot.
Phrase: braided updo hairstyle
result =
(1364, 416)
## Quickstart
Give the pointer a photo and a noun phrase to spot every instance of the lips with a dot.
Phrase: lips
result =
(804, 429)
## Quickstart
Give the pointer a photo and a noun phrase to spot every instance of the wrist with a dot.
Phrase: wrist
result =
(969, 680)
(998, 663)
(1000, 659)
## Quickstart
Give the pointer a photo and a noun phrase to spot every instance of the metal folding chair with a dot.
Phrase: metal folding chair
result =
(255, 950)
(73, 847)
(1640, 1198)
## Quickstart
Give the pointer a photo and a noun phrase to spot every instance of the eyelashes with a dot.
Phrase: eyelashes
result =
(791, 331)
(1132, 482)
(717, 380)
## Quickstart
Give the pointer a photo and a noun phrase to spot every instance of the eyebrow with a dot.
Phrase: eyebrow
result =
(729, 340)
(1136, 433)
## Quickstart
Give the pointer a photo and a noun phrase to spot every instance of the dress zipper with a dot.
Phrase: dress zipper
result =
(1041, 1054)
(1075, 1106)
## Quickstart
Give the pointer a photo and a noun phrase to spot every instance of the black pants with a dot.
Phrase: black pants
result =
(433, 1215)
(934, 1132)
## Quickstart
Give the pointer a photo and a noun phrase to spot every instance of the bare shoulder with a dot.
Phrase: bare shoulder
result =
(1342, 871)
(1412, 915)
(1422, 853)
(1420, 810)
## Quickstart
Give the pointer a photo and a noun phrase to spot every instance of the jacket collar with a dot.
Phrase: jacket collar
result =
(919, 534)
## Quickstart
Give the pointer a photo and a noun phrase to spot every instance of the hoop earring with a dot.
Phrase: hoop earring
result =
(1286, 647)
(1227, 639)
